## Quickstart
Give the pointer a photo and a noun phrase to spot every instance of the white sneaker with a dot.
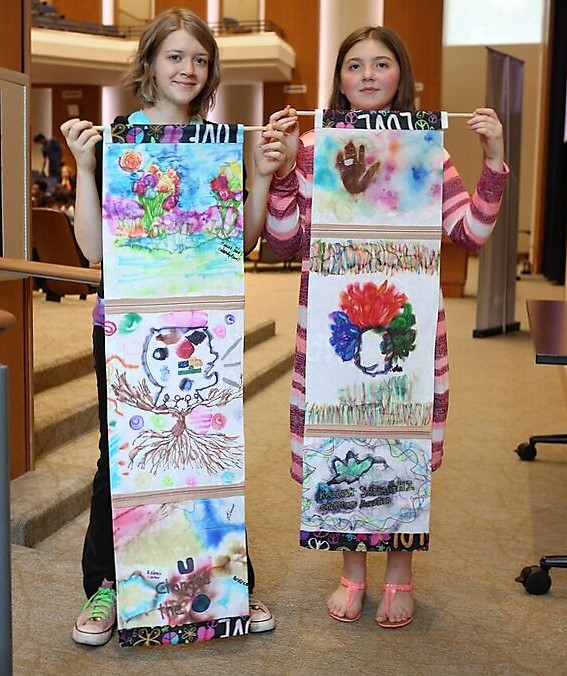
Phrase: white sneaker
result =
(261, 618)
(95, 624)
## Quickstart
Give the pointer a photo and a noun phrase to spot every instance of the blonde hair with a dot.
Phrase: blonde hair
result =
(404, 99)
(140, 78)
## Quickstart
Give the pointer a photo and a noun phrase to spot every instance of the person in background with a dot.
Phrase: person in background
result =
(68, 181)
(52, 157)
(39, 194)
(64, 200)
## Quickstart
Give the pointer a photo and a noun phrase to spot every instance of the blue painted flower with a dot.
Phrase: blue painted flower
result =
(345, 336)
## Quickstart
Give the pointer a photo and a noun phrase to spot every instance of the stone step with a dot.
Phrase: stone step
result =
(64, 412)
(268, 361)
(59, 488)
(67, 406)
(58, 371)
(56, 491)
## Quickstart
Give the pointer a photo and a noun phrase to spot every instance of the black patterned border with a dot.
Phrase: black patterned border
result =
(187, 633)
(208, 132)
(364, 542)
(383, 119)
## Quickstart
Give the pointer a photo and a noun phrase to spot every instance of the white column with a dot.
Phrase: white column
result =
(116, 101)
(338, 19)
(213, 11)
(241, 103)
(108, 12)
(41, 120)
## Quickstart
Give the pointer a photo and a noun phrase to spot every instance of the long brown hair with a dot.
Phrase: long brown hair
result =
(140, 78)
(404, 99)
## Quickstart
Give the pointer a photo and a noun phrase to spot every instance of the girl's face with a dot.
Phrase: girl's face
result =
(181, 68)
(369, 76)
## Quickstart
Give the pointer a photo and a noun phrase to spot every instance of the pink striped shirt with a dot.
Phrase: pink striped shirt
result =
(467, 220)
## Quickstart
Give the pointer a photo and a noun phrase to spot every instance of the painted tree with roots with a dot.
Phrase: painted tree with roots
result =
(179, 447)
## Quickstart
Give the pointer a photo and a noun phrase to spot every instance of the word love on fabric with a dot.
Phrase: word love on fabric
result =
(175, 133)
(383, 120)
(170, 635)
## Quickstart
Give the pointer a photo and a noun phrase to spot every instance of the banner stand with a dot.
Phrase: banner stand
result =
(496, 296)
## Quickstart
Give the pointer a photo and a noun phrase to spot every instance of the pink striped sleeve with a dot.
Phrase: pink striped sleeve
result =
(288, 204)
(469, 220)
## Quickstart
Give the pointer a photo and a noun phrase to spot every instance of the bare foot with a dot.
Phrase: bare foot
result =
(397, 606)
(346, 601)
(401, 606)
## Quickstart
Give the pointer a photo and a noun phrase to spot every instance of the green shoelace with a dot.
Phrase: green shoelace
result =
(100, 604)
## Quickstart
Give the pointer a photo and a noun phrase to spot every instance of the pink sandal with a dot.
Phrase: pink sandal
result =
(351, 587)
(390, 591)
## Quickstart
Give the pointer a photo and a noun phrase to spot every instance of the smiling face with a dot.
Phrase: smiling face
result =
(180, 70)
(369, 76)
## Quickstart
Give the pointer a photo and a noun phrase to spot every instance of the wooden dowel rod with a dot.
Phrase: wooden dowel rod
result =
(307, 113)
(299, 113)
(100, 127)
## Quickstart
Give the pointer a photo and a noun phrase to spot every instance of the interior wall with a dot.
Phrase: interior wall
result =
(464, 94)
(67, 101)
(16, 344)
(241, 10)
(90, 11)
(420, 26)
(11, 53)
(300, 24)
(132, 12)
(197, 6)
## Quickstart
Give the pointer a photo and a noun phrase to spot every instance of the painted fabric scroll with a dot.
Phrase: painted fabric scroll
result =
(173, 252)
(371, 325)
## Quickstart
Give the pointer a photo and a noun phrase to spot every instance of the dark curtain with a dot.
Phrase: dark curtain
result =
(555, 212)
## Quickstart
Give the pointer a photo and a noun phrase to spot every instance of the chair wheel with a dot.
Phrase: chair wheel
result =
(527, 451)
(535, 579)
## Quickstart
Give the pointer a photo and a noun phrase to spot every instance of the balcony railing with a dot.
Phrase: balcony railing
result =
(221, 28)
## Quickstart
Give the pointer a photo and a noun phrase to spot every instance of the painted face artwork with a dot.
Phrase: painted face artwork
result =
(180, 361)
(375, 328)
(370, 76)
(181, 68)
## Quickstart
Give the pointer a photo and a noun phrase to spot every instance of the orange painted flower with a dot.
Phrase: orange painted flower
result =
(130, 160)
(370, 306)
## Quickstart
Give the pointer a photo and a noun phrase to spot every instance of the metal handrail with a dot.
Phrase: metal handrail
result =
(65, 273)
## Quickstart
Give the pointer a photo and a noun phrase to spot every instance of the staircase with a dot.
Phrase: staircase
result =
(66, 433)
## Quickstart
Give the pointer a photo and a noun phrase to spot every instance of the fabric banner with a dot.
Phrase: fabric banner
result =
(174, 326)
(371, 325)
